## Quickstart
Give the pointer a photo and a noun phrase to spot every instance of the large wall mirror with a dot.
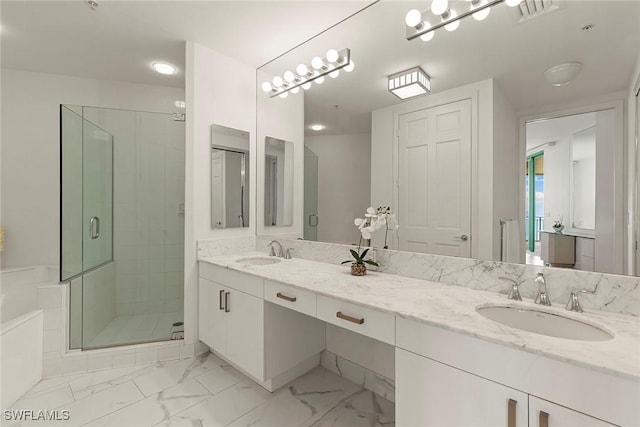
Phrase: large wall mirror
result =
(278, 182)
(229, 177)
(366, 147)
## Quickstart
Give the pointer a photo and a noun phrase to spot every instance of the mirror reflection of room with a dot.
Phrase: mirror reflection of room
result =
(569, 186)
(278, 182)
(229, 177)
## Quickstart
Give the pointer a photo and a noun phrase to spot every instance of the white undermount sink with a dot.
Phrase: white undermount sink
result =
(258, 260)
(543, 322)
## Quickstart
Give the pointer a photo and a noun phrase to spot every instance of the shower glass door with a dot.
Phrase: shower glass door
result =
(310, 195)
(122, 225)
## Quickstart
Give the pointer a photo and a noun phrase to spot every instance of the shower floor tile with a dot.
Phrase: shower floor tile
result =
(136, 328)
(204, 391)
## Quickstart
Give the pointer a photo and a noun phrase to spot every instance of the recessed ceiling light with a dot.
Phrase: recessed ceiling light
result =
(317, 127)
(164, 68)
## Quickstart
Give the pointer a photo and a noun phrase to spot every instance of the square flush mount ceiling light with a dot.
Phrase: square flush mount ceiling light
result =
(409, 83)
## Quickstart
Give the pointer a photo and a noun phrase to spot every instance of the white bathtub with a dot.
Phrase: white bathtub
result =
(22, 329)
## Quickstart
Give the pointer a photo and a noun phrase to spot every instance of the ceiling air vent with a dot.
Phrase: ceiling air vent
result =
(529, 9)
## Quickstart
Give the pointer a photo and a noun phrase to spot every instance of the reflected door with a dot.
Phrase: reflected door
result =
(217, 189)
(434, 180)
(310, 195)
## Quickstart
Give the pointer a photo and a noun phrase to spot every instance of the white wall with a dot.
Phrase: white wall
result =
(30, 152)
(557, 178)
(344, 184)
(384, 162)
(219, 90)
(505, 170)
(633, 161)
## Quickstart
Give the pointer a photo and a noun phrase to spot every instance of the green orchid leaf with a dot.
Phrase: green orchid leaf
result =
(355, 254)
(344, 262)
(368, 261)
(364, 253)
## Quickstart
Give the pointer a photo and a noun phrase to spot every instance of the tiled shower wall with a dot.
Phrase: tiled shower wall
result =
(148, 210)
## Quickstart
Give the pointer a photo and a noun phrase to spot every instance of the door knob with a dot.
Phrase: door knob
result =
(464, 237)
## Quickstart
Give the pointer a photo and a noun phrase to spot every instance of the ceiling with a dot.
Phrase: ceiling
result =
(120, 39)
(515, 54)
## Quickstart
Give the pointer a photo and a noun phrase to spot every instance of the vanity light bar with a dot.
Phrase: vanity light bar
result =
(419, 24)
(305, 75)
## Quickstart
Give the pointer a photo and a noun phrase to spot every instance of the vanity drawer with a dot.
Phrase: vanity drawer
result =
(239, 281)
(290, 297)
(372, 323)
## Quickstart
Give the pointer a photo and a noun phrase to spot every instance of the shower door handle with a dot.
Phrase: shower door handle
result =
(94, 227)
(313, 223)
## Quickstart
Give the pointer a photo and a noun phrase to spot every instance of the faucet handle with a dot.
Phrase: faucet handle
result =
(272, 252)
(287, 253)
(574, 303)
(514, 293)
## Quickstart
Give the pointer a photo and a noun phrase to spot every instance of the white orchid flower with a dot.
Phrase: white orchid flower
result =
(371, 212)
(359, 222)
(366, 232)
(392, 222)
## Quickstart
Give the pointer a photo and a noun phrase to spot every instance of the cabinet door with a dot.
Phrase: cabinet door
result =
(245, 332)
(429, 393)
(546, 414)
(212, 328)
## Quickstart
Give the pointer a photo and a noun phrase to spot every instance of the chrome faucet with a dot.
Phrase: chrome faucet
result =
(280, 252)
(514, 293)
(542, 297)
(574, 304)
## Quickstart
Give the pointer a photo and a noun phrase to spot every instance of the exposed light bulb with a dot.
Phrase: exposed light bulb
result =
(295, 90)
(266, 86)
(302, 70)
(438, 7)
(317, 63)
(427, 36)
(277, 81)
(482, 14)
(413, 18)
(289, 76)
(284, 94)
(332, 55)
(513, 3)
(349, 68)
(319, 80)
(453, 25)
(306, 86)
(317, 127)
(334, 74)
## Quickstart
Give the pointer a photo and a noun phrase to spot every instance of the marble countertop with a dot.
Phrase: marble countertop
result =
(453, 307)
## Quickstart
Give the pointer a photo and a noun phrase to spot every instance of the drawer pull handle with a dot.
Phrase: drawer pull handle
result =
(220, 300)
(349, 318)
(226, 302)
(511, 413)
(286, 298)
(543, 421)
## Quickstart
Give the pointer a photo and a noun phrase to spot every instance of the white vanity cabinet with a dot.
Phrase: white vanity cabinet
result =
(452, 379)
(271, 344)
(429, 393)
(547, 414)
(231, 323)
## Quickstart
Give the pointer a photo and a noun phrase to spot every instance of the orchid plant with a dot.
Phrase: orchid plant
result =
(374, 219)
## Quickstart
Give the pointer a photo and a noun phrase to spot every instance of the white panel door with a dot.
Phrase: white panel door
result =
(434, 180)
(546, 414)
(431, 394)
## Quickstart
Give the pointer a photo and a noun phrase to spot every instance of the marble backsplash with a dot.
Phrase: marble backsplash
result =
(614, 293)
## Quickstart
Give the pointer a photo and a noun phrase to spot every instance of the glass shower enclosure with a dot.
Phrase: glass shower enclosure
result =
(122, 225)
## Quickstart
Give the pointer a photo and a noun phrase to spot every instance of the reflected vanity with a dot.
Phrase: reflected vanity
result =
(229, 177)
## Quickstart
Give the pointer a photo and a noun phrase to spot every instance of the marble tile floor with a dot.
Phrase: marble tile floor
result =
(202, 391)
(136, 328)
